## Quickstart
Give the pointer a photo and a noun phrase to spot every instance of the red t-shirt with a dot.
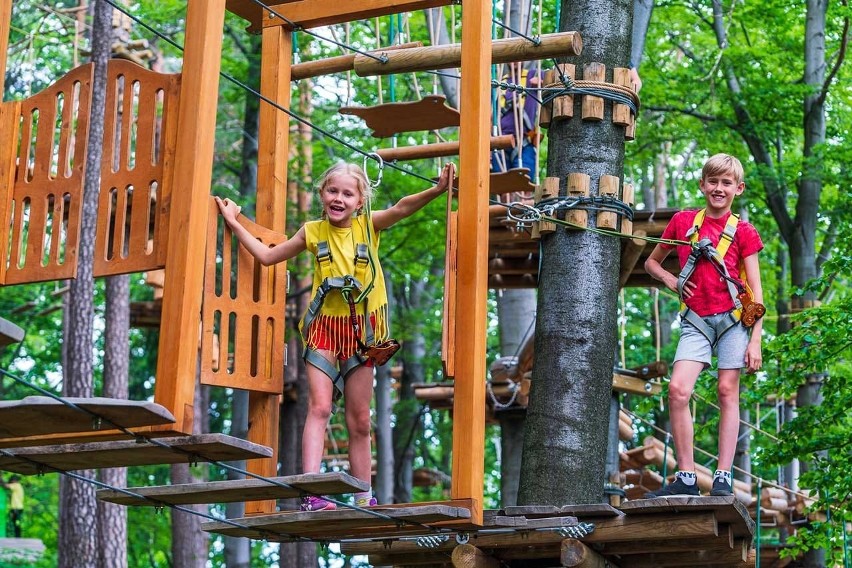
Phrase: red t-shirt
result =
(711, 293)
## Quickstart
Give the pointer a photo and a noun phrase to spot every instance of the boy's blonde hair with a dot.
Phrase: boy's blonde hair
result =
(355, 171)
(720, 164)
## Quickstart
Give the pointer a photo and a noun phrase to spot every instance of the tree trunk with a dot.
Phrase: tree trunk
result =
(77, 505)
(566, 432)
(438, 35)
(516, 314)
(238, 549)
(384, 435)
(112, 519)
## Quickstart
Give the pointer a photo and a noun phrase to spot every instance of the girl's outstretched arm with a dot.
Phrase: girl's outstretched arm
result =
(412, 203)
(266, 255)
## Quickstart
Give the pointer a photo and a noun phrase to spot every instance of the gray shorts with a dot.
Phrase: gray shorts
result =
(730, 348)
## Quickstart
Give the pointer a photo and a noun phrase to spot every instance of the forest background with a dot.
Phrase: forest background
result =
(717, 76)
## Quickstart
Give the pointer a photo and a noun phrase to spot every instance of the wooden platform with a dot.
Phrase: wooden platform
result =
(185, 449)
(42, 415)
(708, 531)
(340, 524)
(237, 490)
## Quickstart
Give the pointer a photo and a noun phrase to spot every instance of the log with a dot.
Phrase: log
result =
(468, 556)
(438, 149)
(593, 107)
(575, 554)
(564, 44)
(340, 63)
(578, 186)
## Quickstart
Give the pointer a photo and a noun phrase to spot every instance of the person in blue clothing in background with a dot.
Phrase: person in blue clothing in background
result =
(518, 113)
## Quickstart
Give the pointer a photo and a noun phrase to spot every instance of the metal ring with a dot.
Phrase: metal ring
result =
(375, 156)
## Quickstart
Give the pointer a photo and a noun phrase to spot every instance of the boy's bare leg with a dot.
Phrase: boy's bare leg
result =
(729, 416)
(684, 375)
(358, 394)
(320, 394)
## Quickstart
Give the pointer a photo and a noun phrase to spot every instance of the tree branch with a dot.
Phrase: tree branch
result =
(841, 55)
(696, 114)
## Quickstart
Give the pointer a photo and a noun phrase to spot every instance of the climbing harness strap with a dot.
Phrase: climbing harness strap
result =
(745, 309)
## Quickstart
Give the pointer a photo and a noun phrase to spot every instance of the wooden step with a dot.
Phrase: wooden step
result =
(97, 455)
(429, 113)
(42, 415)
(10, 333)
(339, 524)
(237, 490)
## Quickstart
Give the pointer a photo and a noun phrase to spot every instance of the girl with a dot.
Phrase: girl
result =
(349, 308)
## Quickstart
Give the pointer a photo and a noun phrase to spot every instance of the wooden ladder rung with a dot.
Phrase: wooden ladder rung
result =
(235, 490)
(429, 113)
(42, 415)
(97, 455)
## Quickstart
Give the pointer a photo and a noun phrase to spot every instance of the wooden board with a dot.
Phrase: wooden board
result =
(516, 180)
(235, 490)
(727, 510)
(429, 113)
(185, 449)
(580, 511)
(332, 525)
(41, 415)
(10, 333)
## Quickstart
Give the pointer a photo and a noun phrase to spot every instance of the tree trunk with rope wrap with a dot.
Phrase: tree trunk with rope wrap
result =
(566, 432)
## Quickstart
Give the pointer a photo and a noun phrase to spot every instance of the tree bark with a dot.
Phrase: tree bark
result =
(384, 435)
(77, 505)
(566, 432)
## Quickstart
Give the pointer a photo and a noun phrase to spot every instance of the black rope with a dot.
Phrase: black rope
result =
(536, 41)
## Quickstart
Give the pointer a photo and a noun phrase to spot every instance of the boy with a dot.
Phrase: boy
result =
(723, 249)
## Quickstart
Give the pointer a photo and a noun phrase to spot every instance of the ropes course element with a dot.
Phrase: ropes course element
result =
(267, 100)
(193, 458)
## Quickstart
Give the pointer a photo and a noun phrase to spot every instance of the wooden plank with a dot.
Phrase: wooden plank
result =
(635, 385)
(96, 455)
(315, 13)
(727, 510)
(516, 180)
(9, 116)
(40, 415)
(10, 333)
(448, 328)
(472, 292)
(697, 557)
(580, 511)
(725, 541)
(330, 525)
(193, 163)
(563, 44)
(235, 490)
(342, 63)
(658, 527)
(429, 113)
(5, 24)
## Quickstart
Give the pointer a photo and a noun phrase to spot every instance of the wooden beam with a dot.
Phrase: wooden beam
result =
(340, 63)
(656, 527)
(630, 254)
(5, 25)
(575, 554)
(315, 13)
(468, 556)
(193, 164)
(635, 385)
(439, 149)
(472, 280)
(563, 44)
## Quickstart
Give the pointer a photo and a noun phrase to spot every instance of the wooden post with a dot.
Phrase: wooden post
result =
(550, 188)
(593, 107)
(608, 187)
(546, 112)
(628, 197)
(193, 163)
(474, 135)
(563, 107)
(468, 556)
(575, 554)
(272, 152)
(578, 186)
(621, 113)
(5, 25)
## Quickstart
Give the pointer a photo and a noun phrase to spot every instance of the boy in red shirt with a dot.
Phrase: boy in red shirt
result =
(708, 286)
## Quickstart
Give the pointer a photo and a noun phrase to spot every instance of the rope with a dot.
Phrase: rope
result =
(757, 522)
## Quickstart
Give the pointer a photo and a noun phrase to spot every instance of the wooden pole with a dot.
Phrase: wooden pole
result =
(193, 164)
(340, 63)
(439, 149)
(575, 554)
(5, 25)
(564, 44)
(272, 153)
(472, 279)
(468, 556)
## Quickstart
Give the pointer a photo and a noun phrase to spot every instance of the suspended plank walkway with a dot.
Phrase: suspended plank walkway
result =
(96, 455)
(429, 113)
(232, 491)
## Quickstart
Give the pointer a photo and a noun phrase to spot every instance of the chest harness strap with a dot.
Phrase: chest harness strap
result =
(745, 310)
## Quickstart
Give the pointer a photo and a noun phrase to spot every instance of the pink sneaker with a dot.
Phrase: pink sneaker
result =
(312, 503)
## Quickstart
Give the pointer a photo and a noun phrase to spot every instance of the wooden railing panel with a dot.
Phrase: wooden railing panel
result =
(44, 212)
(139, 140)
(242, 343)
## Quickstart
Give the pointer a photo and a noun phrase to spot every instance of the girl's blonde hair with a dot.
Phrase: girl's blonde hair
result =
(355, 171)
